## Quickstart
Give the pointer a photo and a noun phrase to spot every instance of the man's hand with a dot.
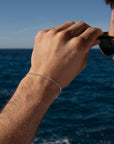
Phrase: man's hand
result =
(61, 52)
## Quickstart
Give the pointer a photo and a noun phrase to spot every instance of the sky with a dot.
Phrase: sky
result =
(20, 20)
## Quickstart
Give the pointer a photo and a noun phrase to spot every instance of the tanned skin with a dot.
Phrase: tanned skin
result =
(111, 29)
(59, 53)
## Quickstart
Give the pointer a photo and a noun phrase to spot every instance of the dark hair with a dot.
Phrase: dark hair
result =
(109, 2)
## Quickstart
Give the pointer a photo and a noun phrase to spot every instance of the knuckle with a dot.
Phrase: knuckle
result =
(98, 30)
(81, 23)
(40, 34)
(81, 40)
(36, 37)
(62, 35)
(71, 22)
(52, 31)
(95, 30)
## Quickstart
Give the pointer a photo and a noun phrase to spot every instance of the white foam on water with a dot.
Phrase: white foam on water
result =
(60, 141)
(64, 141)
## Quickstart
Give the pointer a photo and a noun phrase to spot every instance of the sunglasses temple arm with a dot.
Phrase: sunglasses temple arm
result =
(105, 37)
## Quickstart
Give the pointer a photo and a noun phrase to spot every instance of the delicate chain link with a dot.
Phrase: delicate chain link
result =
(48, 79)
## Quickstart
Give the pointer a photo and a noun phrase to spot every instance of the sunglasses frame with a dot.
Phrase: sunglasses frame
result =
(106, 36)
(109, 38)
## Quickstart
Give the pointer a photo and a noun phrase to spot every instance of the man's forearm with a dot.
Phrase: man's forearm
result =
(22, 115)
(60, 54)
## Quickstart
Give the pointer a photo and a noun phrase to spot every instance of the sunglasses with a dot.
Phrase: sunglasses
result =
(106, 44)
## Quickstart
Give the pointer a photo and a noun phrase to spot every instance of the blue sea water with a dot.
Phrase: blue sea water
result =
(84, 111)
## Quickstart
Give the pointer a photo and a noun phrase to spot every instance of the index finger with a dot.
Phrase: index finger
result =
(90, 35)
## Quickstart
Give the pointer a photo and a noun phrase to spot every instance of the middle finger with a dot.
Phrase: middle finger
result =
(77, 28)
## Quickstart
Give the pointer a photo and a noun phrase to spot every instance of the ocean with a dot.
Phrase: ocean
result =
(84, 111)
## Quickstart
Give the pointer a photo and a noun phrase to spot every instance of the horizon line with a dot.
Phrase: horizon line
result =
(32, 48)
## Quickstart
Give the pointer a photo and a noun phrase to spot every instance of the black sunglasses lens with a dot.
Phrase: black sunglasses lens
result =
(106, 45)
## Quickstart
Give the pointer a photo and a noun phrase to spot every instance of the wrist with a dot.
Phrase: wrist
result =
(39, 88)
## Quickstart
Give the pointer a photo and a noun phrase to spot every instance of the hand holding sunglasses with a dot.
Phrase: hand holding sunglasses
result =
(106, 44)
